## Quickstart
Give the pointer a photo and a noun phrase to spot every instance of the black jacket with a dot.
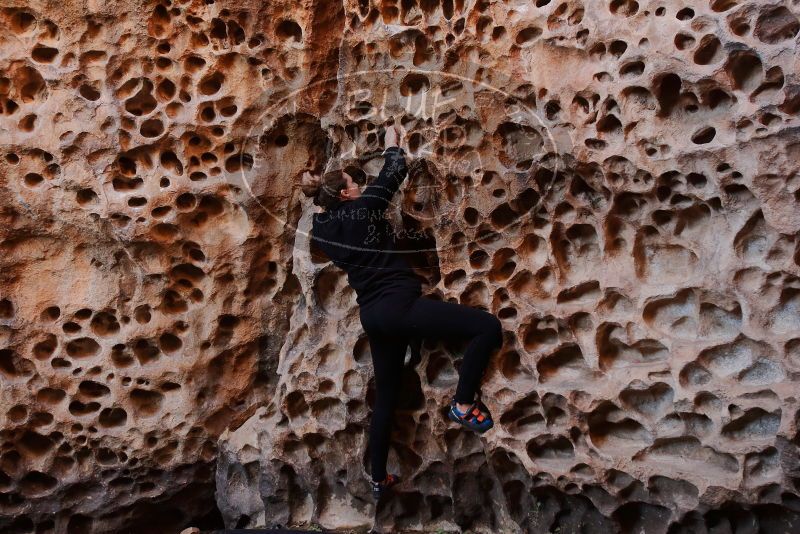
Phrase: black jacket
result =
(358, 238)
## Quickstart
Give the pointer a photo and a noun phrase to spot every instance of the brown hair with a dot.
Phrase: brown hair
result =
(325, 190)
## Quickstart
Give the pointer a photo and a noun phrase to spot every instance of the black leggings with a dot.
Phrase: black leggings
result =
(390, 322)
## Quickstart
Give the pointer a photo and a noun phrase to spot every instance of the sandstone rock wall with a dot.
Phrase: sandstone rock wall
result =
(616, 180)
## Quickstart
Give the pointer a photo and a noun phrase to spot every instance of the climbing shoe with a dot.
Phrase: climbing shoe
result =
(380, 488)
(477, 416)
(481, 406)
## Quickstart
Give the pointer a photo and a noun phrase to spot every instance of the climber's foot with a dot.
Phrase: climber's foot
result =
(476, 417)
(380, 488)
(477, 400)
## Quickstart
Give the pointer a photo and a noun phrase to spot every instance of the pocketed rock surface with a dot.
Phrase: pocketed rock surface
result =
(616, 180)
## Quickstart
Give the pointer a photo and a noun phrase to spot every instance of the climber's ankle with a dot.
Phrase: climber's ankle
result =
(462, 407)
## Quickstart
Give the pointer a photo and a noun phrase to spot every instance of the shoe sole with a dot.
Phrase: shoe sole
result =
(456, 419)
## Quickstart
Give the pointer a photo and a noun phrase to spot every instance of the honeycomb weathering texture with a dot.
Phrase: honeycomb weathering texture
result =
(615, 180)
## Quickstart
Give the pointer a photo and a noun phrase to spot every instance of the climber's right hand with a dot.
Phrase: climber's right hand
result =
(391, 137)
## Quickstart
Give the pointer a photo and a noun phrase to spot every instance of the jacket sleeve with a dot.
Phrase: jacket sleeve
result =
(381, 190)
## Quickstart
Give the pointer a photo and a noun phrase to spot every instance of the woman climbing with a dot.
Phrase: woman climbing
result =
(357, 237)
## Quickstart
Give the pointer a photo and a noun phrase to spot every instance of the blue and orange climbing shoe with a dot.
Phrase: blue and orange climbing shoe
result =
(477, 416)
(379, 488)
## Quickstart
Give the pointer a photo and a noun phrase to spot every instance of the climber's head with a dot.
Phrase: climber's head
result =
(352, 190)
(332, 187)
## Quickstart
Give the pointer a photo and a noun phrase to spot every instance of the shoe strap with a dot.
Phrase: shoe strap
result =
(473, 412)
